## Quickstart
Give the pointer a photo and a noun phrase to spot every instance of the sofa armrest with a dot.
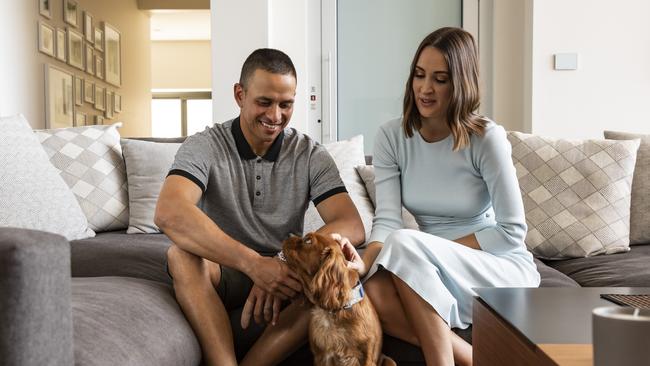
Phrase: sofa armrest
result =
(35, 308)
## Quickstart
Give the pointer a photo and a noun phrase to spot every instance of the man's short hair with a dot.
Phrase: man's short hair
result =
(267, 59)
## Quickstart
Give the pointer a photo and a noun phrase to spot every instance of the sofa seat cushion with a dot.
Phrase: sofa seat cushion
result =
(552, 277)
(129, 321)
(118, 254)
(619, 270)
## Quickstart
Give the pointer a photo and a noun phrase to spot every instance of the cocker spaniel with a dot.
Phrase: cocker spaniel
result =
(344, 328)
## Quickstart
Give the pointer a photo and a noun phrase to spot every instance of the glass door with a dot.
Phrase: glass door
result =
(375, 42)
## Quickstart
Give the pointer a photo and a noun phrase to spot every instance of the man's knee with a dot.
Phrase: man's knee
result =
(183, 265)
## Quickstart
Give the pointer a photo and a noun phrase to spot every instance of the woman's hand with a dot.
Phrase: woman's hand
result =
(351, 255)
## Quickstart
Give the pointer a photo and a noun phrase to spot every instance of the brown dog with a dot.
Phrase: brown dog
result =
(344, 327)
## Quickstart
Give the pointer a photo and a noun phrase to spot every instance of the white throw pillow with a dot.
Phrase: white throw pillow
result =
(89, 159)
(32, 194)
(347, 154)
(147, 165)
(576, 194)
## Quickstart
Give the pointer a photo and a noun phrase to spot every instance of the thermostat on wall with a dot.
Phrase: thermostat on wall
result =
(566, 61)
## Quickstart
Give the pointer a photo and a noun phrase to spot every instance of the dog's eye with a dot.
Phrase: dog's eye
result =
(308, 241)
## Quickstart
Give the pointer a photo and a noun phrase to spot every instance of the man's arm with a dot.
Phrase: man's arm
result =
(341, 216)
(193, 231)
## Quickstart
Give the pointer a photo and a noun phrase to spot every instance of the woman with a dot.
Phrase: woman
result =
(452, 169)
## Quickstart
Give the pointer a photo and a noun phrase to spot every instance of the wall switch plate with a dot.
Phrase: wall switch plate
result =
(566, 61)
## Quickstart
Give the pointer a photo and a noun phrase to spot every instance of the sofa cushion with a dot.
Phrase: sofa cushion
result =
(625, 269)
(89, 159)
(129, 321)
(576, 194)
(146, 176)
(32, 194)
(119, 254)
(346, 154)
(640, 206)
(553, 278)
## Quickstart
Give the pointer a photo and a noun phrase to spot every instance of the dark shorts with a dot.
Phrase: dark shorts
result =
(233, 288)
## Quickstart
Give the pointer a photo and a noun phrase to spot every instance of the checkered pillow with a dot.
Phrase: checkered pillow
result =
(576, 194)
(89, 159)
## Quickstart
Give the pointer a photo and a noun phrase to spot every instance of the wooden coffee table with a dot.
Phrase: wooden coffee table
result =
(537, 326)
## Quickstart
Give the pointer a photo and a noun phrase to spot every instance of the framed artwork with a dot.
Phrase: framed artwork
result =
(99, 120)
(60, 44)
(90, 61)
(75, 49)
(108, 113)
(80, 118)
(99, 67)
(46, 38)
(99, 39)
(70, 10)
(89, 92)
(44, 8)
(117, 103)
(88, 27)
(59, 109)
(78, 90)
(112, 53)
(100, 98)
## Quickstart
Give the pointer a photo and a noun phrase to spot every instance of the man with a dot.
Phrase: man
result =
(234, 193)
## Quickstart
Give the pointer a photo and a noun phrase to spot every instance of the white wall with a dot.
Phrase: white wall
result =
(611, 88)
(237, 30)
(194, 72)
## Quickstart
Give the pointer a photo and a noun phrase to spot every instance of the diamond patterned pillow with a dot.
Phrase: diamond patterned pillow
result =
(576, 194)
(89, 160)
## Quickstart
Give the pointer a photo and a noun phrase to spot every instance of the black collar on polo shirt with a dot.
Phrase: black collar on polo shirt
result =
(244, 149)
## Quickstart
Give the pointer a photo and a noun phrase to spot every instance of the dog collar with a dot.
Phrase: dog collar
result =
(357, 295)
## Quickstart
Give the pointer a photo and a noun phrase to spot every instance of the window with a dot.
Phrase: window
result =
(175, 114)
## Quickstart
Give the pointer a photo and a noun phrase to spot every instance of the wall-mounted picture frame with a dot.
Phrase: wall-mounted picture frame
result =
(89, 91)
(75, 49)
(59, 102)
(99, 39)
(100, 98)
(80, 119)
(70, 12)
(108, 113)
(46, 38)
(88, 28)
(117, 103)
(78, 90)
(60, 44)
(99, 67)
(90, 59)
(44, 8)
(112, 54)
(99, 120)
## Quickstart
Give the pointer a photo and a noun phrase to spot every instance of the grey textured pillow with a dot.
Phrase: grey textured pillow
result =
(147, 165)
(640, 205)
(32, 194)
(367, 174)
(576, 194)
(89, 159)
(346, 154)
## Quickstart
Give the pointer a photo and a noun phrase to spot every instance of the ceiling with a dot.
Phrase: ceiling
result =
(180, 25)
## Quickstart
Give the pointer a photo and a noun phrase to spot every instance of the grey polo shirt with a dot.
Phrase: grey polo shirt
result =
(256, 200)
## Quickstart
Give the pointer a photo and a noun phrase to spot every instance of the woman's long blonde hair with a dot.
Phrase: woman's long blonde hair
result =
(459, 50)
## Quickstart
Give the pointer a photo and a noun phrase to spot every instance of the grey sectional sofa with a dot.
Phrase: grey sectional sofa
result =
(108, 300)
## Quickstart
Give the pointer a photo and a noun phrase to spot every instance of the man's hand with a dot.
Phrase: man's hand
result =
(275, 278)
(263, 306)
(351, 255)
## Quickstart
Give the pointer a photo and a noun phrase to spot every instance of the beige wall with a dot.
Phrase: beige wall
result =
(22, 66)
(180, 65)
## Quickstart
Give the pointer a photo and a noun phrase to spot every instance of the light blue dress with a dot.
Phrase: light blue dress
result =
(451, 194)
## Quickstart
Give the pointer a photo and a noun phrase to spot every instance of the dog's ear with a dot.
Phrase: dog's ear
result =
(329, 287)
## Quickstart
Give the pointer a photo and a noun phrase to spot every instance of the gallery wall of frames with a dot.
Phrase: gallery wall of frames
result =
(83, 74)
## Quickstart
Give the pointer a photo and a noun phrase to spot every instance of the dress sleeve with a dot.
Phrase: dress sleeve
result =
(388, 212)
(494, 161)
